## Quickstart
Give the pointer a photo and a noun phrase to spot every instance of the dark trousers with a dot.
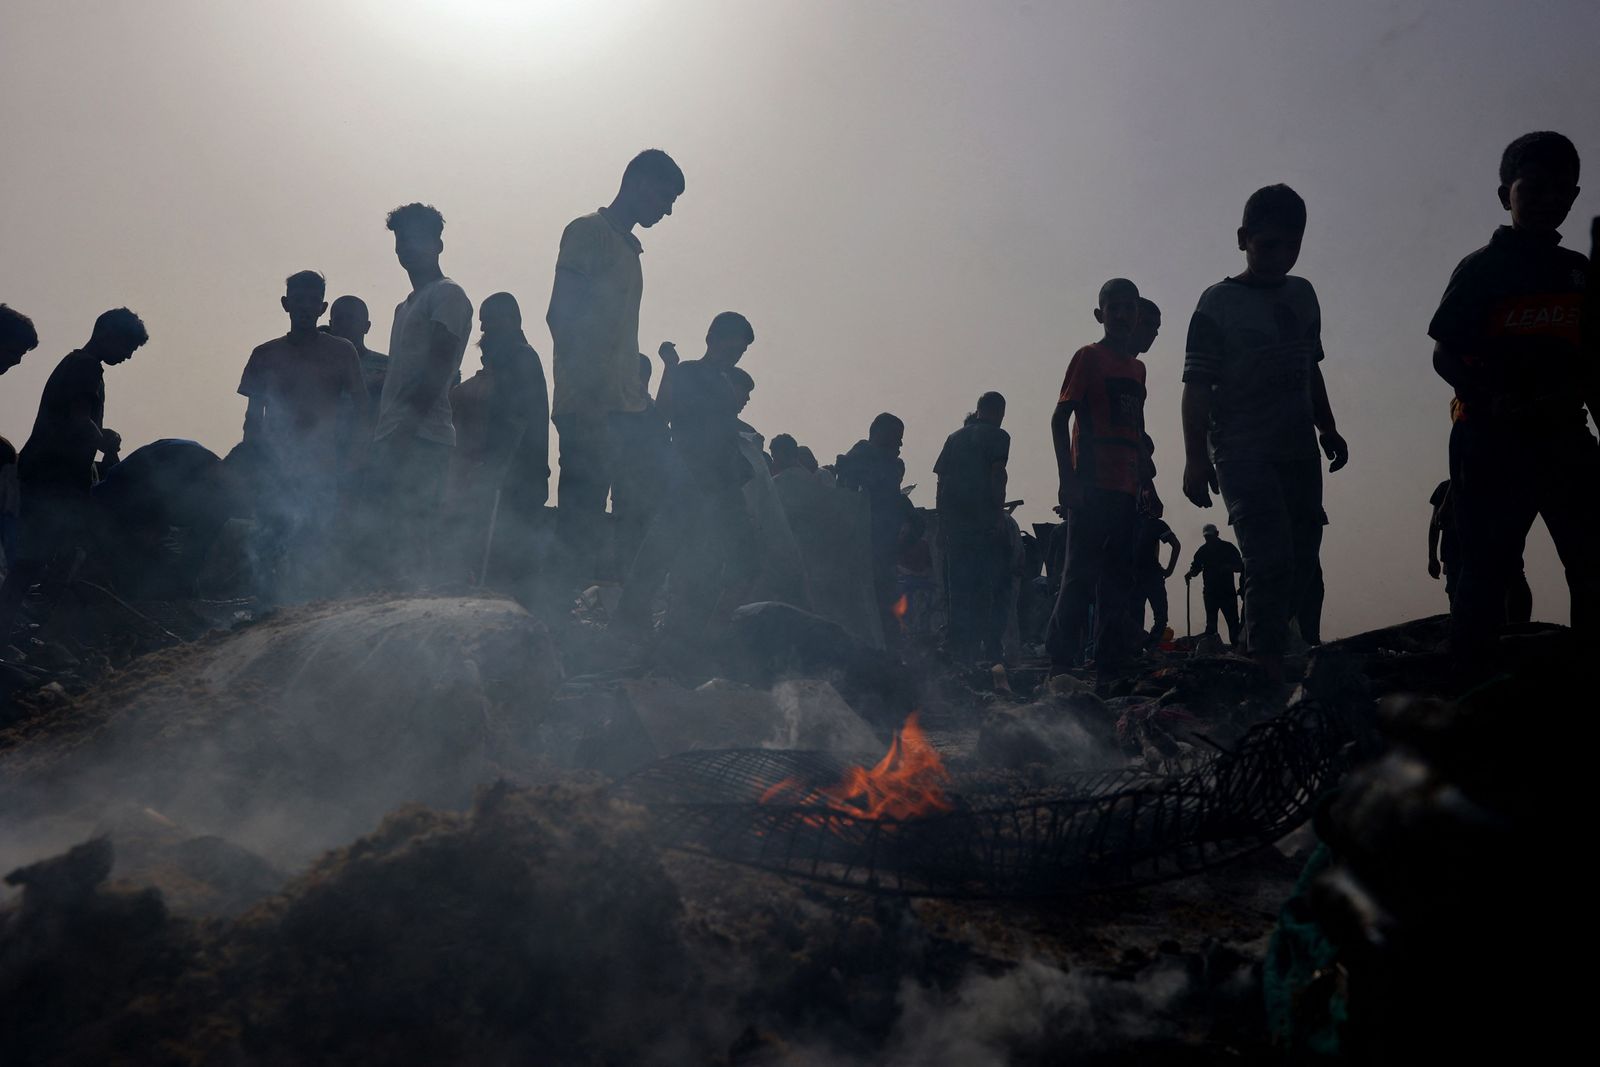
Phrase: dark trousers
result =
(55, 522)
(407, 487)
(637, 479)
(1503, 478)
(588, 461)
(1310, 614)
(1153, 589)
(1100, 571)
(1224, 602)
(1275, 508)
(975, 578)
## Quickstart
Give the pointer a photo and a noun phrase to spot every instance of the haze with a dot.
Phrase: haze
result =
(913, 202)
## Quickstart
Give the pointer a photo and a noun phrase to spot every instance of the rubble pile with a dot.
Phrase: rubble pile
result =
(546, 921)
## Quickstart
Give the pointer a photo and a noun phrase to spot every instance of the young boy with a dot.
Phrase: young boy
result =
(56, 468)
(701, 533)
(1099, 463)
(970, 502)
(1507, 338)
(295, 385)
(1254, 404)
(415, 431)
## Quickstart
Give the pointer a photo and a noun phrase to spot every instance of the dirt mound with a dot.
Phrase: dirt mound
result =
(538, 927)
(296, 733)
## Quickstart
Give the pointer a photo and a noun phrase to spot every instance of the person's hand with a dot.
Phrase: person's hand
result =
(1434, 570)
(1168, 573)
(1199, 482)
(1335, 449)
(669, 354)
(110, 442)
(1069, 497)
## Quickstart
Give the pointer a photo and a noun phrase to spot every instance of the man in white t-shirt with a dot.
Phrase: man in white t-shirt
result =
(415, 432)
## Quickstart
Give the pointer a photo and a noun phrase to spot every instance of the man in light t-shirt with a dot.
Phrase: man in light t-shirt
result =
(415, 432)
(594, 323)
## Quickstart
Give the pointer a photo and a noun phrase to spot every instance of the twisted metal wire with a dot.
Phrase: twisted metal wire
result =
(1087, 831)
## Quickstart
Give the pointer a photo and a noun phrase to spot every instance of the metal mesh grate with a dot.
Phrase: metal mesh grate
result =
(1088, 831)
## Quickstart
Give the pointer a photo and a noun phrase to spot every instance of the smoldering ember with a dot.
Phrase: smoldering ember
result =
(530, 693)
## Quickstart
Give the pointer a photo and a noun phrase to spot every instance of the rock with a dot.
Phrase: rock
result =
(289, 735)
(796, 713)
(1062, 735)
(771, 640)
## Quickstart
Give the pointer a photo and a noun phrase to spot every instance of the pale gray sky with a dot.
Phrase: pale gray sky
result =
(913, 202)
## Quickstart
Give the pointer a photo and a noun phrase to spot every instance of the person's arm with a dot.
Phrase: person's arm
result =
(255, 414)
(1199, 475)
(1070, 492)
(1333, 445)
(568, 298)
(669, 365)
(1194, 564)
(1434, 569)
(1203, 365)
(1172, 555)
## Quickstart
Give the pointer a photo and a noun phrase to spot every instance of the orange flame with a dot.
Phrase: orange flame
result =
(908, 783)
(900, 608)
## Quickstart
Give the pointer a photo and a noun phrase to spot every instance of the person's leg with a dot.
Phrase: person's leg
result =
(1568, 482)
(964, 567)
(1496, 503)
(1260, 516)
(1302, 495)
(1519, 598)
(582, 489)
(1156, 594)
(1311, 607)
(1230, 617)
(1211, 608)
(999, 600)
(1085, 544)
(1118, 585)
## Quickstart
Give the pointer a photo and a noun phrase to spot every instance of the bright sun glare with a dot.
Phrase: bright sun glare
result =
(475, 31)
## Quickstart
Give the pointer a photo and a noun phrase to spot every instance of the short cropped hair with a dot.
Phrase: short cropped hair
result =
(354, 304)
(120, 324)
(1540, 148)
(416, 218)
(807, 458)
(1114, 286)
(732, 324)
(741, 378)
(884, 423)
(1147, 305)
(1274, 205)
(17, 329)
(786, 444)
(654, 165)
(307, 279)
(991, 401)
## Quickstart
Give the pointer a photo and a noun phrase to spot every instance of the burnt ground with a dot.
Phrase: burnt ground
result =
(542, 922)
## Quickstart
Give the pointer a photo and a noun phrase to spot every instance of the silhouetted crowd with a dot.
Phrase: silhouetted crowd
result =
(360, 470)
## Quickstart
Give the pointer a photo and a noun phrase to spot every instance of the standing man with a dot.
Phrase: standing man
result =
(873, 467)
(971, 506)
(1152, 576)
(347, 318)
(1217, 562)
(594, 324)
(415, 431)
(1098, 428)
(56, 467)
(295, 385)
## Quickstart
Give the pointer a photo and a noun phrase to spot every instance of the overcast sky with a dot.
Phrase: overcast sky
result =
(913, 202)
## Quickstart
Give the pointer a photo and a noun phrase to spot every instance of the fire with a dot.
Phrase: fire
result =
(900, 608)
(908, 783)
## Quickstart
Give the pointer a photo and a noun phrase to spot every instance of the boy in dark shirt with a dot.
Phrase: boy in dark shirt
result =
(971, 506)
(1255, 409)
(701, 533)
(1100, 464)
(295, 386)
(1507, 338)
(55, 469)
(873, 467)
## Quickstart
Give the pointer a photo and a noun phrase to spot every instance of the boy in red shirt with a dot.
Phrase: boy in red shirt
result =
(1102, 402)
